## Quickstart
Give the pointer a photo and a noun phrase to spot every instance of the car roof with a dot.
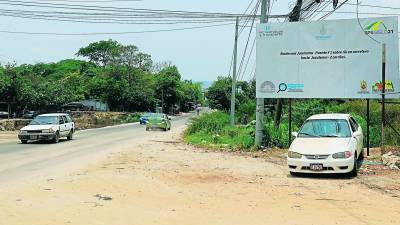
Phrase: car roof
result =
(54, 114)
(337, 116)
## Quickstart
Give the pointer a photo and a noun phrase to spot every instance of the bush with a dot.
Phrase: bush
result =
(358, 109)
(213, 130)
(213, 122)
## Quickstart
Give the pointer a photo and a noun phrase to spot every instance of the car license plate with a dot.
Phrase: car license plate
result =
(34, 137)
(316, 167)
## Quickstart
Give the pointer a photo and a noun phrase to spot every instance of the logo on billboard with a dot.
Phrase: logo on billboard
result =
(363, 87)
(290, 87)
(268, 32)
(323, 34)
(377, 27)
(267, 87)
(389, 87)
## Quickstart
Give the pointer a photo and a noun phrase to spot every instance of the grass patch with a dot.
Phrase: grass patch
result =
(212, 130)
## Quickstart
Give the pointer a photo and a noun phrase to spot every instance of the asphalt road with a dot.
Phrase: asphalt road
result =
(19, 161)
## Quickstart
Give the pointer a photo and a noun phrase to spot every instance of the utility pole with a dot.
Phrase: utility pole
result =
(260, 101)
(233, 94)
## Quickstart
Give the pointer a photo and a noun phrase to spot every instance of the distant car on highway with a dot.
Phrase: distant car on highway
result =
(49, 127)
(145, 117)
(3, 115)
(29, 114)
(326, 143)
(158, 121)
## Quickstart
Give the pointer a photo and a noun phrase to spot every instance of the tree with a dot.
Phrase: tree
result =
(219, 93)
(167, 82)
(102, 53)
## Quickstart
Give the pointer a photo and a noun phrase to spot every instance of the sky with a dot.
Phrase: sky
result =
(200, 54)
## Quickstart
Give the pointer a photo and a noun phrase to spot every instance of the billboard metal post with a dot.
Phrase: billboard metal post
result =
(383, 97)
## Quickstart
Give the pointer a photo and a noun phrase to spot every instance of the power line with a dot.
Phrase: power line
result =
(112, 33)
(330, 13)
(247, 42)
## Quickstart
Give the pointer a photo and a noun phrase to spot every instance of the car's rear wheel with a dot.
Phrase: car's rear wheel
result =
(70, 135)
(24, 141)
(56, 138)
(361, 155)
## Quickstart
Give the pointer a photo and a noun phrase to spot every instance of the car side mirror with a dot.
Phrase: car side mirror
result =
(295, 134)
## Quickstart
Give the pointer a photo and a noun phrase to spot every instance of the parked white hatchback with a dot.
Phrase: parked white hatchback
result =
(326, 143)
(49, 127)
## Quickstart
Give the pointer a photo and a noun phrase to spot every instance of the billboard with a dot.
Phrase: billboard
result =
(327, 59)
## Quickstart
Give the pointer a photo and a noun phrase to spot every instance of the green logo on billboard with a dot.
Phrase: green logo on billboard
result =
(377, 27)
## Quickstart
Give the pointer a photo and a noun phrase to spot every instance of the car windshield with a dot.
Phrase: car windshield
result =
(147, 114)
(41, 120)
(325, 128)
(156, 116)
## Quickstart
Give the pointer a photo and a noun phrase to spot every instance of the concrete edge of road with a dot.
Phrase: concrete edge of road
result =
(108, 127)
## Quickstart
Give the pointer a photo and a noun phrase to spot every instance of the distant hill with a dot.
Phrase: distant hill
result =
(205, 84)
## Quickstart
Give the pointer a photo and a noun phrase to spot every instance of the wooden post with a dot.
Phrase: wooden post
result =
(290, 121)
(368, 124)
(383, 98)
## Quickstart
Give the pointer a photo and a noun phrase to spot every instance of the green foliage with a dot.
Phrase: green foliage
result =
(213, 130)
(276, 137)
(117, 74)
(358, 109)
(246, 112)
(102, 52)
(219, 94)
(213, 122)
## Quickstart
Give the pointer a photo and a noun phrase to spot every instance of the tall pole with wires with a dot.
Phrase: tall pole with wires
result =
(260, 101)
(233, 94)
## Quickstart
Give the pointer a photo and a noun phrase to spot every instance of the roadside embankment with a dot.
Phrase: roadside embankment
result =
(89, 120)
(83, 120)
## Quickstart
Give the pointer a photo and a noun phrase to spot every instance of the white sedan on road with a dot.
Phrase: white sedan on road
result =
(49, 127)
(326, 143)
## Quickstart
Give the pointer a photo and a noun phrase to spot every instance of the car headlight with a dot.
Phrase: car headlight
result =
(48, 131)
(23, 132)
(294, 155)
(342, 155)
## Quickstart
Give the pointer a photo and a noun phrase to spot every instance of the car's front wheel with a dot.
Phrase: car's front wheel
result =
(70, 135)
(354, 172)
(56, 138)
(293, 173)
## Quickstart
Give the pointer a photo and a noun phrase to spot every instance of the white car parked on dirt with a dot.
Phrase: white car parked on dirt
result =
(326, 143)
(50, 127)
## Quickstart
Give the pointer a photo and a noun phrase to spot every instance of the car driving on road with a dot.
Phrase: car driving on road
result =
(144, 118)
(50, 127)
(158, 121)
(326, 143)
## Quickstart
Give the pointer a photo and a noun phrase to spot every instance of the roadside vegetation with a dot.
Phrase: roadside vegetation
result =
(121, 75)
(213, 130)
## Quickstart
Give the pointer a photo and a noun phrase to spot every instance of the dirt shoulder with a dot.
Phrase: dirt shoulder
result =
(160, 180)
(8, 136)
